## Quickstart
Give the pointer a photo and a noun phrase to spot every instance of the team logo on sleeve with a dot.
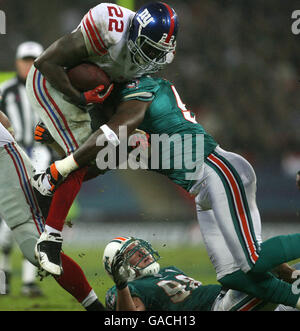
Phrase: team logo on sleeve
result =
(133, 84)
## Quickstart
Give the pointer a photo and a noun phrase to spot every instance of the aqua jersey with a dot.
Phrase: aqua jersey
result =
(168, 115)
(170, 290)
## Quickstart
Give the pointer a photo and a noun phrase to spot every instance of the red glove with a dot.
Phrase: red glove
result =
(95, 96)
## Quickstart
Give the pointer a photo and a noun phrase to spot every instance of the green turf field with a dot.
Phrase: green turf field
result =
(5, 76)
(194, 261)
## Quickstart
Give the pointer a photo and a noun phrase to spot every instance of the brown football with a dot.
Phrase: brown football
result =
(87, 76)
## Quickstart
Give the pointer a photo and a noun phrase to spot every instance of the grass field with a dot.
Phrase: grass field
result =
(192, 260)
(5, 76)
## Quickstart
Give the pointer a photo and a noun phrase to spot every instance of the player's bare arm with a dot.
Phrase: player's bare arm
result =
(67, 51)
(126, 302)
(130, 114)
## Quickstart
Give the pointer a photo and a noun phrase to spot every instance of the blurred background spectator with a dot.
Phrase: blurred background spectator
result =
(237, 66)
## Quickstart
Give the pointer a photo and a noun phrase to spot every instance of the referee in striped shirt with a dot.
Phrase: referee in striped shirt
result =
(16, 106)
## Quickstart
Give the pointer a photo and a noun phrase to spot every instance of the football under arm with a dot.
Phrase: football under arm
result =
(67, 51)
(126, 302)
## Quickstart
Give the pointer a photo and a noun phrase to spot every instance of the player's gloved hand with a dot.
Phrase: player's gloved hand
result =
(42, 135)
(119, 271)
(298, 179)
(47, 182)
(97, 95)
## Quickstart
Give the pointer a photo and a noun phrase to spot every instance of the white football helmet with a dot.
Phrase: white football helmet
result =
(128, 246)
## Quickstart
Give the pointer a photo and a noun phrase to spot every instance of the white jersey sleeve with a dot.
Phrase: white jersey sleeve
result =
(5, 136)
(104, 26)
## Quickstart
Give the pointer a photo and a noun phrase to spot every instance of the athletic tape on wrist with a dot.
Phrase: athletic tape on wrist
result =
(66, 165)
(110, 135)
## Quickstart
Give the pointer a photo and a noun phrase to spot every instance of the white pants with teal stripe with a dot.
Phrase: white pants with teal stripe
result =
(18, 204)
(227, 212)
(69, 125)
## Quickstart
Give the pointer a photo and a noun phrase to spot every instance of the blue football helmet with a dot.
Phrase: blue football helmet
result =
(152, 36)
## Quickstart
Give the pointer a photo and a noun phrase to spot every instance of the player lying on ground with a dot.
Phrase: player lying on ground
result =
(21, 210)
(142, 285)
(224, 190)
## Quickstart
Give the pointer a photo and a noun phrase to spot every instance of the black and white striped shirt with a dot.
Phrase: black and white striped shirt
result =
(16, 106)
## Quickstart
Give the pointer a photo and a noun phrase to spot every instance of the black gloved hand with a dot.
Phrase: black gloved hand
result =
(118, 270)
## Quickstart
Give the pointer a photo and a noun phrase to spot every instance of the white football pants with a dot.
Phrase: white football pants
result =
(227, 212)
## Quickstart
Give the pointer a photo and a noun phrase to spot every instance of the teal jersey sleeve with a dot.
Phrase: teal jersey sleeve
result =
(140, 89)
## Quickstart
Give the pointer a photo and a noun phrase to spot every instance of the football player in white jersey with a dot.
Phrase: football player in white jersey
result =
(125, 44)
(21, 210)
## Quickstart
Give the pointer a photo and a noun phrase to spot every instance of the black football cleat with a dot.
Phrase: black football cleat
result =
(47, 251)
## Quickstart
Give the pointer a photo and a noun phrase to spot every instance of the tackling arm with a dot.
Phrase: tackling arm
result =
(130, 114)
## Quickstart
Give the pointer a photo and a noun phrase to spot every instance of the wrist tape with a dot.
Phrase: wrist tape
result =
(66, 165)
(110, 135)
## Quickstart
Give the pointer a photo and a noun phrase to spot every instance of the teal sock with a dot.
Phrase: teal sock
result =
(264, 286)
(276, 251)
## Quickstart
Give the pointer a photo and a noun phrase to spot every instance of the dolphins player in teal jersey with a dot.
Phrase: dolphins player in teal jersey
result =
(223, 183)
(142, 285)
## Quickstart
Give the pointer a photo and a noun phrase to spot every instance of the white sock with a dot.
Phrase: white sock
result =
(49, 229)
(28, 272)
(92, 296)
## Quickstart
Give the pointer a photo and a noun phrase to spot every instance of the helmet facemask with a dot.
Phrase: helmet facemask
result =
(149, 55)
(140, 257)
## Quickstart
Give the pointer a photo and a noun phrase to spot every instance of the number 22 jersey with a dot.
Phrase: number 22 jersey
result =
(105, 29)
